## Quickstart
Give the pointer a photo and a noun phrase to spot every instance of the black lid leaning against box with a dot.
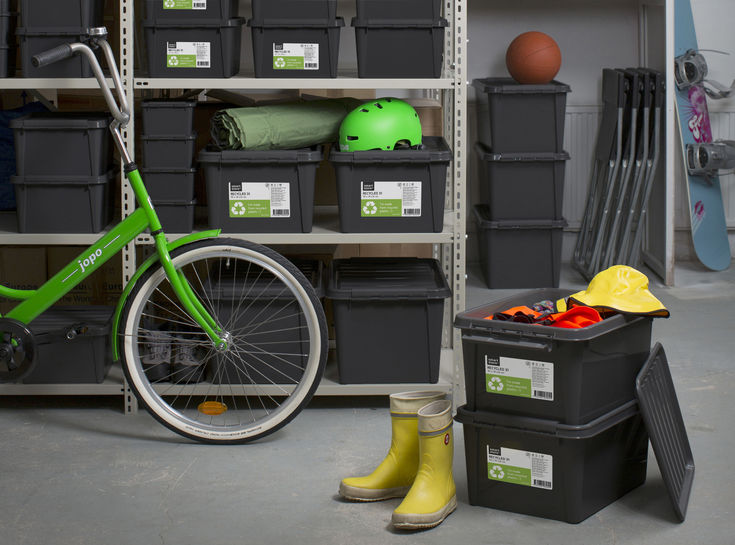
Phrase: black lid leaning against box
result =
(386, 279)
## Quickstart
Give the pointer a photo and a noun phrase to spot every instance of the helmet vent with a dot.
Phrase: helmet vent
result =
(365, 110)
(352, 138)
(379, 105)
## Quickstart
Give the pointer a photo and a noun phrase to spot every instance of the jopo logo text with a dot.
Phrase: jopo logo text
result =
(89, 260)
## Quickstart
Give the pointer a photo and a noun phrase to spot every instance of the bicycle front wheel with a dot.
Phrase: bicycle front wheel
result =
(276, 333)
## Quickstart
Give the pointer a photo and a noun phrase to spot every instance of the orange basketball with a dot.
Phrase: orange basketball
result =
(533, 57)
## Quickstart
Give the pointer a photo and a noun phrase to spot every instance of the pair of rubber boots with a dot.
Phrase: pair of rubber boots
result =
(418, 465)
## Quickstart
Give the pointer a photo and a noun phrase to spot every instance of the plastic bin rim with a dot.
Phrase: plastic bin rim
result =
(480, 210)
(165, 170)
(165, 202)
(44, 121)
(232, 157)
(486, 154)
(509, 86)
(436, 150)
(176, 137)
(195, 24)
(64, 180)
(311, 24)
(52, 31)
(550, 428)
(155, 103)
(372, 22)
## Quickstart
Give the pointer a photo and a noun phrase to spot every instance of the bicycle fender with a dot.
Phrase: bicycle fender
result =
(194, 237)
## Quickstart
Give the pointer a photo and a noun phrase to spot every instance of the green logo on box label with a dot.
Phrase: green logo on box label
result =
(181, 61)
(288, 63)
(510, 386)
(180, 4)
(509, 474)
(250, 209)
(381, 208)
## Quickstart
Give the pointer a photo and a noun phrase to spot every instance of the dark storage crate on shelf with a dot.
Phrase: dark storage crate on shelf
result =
(412, 201)
(62, 144)
(164, 117)
(4, 61)
(190, 11)
(295, 11)
(389, 10)
(521, 186)
(519, 118)
(261, 191)
(272, 366)
(44, 14)
(296, 50)
(71, 204)
(206, 50)
(388, 319)
(176, 216)
(33, 42)
(72, 345)
(170, 185)
(399, 49)
(551, 470)
(581, 374)
(519, 253)
(168, 151)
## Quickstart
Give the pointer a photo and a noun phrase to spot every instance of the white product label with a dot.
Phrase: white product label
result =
(520, 467)
(296, 56)
(519, 378)
(188, 55)
(184, 4)
(390, 199)
(260, 200)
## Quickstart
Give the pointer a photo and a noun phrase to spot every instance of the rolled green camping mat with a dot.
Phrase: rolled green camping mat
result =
(281, 126)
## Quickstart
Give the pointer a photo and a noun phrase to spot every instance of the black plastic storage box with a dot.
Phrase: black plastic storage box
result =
(176, 216)
(568, 375)
(4, 61)
(389, 10)
(261, 191)
(62, 144)
(399, 191)
(163, 117)
(44, 14)
(206, 50)
(168, 151)
(33, 42)
(399, 48)
(551, 470)
(169, 185)
(522, 118)
(519, 253)
(190, 11)
(295, 11)
(69, 204)
(283, 341)
(72, 345)
(288, 49)
(387, 319)
(522, 186)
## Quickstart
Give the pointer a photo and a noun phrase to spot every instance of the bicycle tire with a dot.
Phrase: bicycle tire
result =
(152, 321)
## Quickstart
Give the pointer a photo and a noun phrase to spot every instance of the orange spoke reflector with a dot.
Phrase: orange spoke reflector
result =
(212, 408)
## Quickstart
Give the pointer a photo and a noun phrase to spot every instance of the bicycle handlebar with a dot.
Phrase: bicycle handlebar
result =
(51, 56)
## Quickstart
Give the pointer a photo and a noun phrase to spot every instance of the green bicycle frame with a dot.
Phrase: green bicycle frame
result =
(34, 302)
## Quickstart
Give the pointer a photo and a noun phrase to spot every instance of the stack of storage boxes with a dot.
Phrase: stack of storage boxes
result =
(193, 38)
(551, 425)
(521, 173)
(4, 37)
(168, 153)
(295, 38)
(45, 25)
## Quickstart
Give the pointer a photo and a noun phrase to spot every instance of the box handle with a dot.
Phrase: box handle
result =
(529, 345)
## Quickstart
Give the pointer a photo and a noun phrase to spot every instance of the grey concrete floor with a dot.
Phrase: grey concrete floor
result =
(77, 471)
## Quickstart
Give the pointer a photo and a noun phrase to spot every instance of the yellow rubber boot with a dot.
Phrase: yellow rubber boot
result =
(395, 474)
(433, 494)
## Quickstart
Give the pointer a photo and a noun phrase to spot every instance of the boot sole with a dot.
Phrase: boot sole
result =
(371, 494)
(419, 521)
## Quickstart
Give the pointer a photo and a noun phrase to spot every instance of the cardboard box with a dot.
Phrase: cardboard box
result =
(59, 257)
(431, 115)
(107, 282)
(21, 268)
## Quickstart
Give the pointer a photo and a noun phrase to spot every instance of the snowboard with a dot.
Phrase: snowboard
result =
(707, 212)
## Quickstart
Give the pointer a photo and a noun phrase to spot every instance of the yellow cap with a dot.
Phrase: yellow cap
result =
(622, 289)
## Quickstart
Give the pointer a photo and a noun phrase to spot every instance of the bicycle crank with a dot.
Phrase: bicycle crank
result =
(17, 350)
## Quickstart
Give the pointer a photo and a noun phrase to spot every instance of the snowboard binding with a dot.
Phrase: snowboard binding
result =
(691, 69)
(706, 159)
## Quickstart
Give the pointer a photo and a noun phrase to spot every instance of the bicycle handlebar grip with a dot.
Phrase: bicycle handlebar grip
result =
(56, 54)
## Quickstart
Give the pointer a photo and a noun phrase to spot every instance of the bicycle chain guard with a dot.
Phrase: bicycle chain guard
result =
(17, 350)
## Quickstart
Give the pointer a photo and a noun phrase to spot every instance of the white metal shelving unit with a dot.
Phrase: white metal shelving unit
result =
(449, 245)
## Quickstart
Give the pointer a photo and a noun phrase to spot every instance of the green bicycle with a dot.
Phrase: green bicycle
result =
(222, 340)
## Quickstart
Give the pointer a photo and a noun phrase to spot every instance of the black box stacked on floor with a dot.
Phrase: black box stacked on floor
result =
(45, 24)
(295, 38)
(64, 180)
(193, 38)
(521, 176)
(399, 39)
(551, 425)
(168, 155)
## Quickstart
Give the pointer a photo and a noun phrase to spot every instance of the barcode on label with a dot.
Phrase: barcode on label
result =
(281, 212)
(543, 395)
(411, 211)
(311, 65)
(203, 64)
(542, 484)
(199, 5)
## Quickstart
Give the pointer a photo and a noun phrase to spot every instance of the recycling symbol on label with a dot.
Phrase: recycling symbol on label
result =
(495, 384)
(168, 3)
(280, 62)
(173, 60)
(496, 472)
(370, 208)
(238, 209)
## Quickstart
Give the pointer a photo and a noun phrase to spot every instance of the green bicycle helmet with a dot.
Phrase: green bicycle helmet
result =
(380, 124)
